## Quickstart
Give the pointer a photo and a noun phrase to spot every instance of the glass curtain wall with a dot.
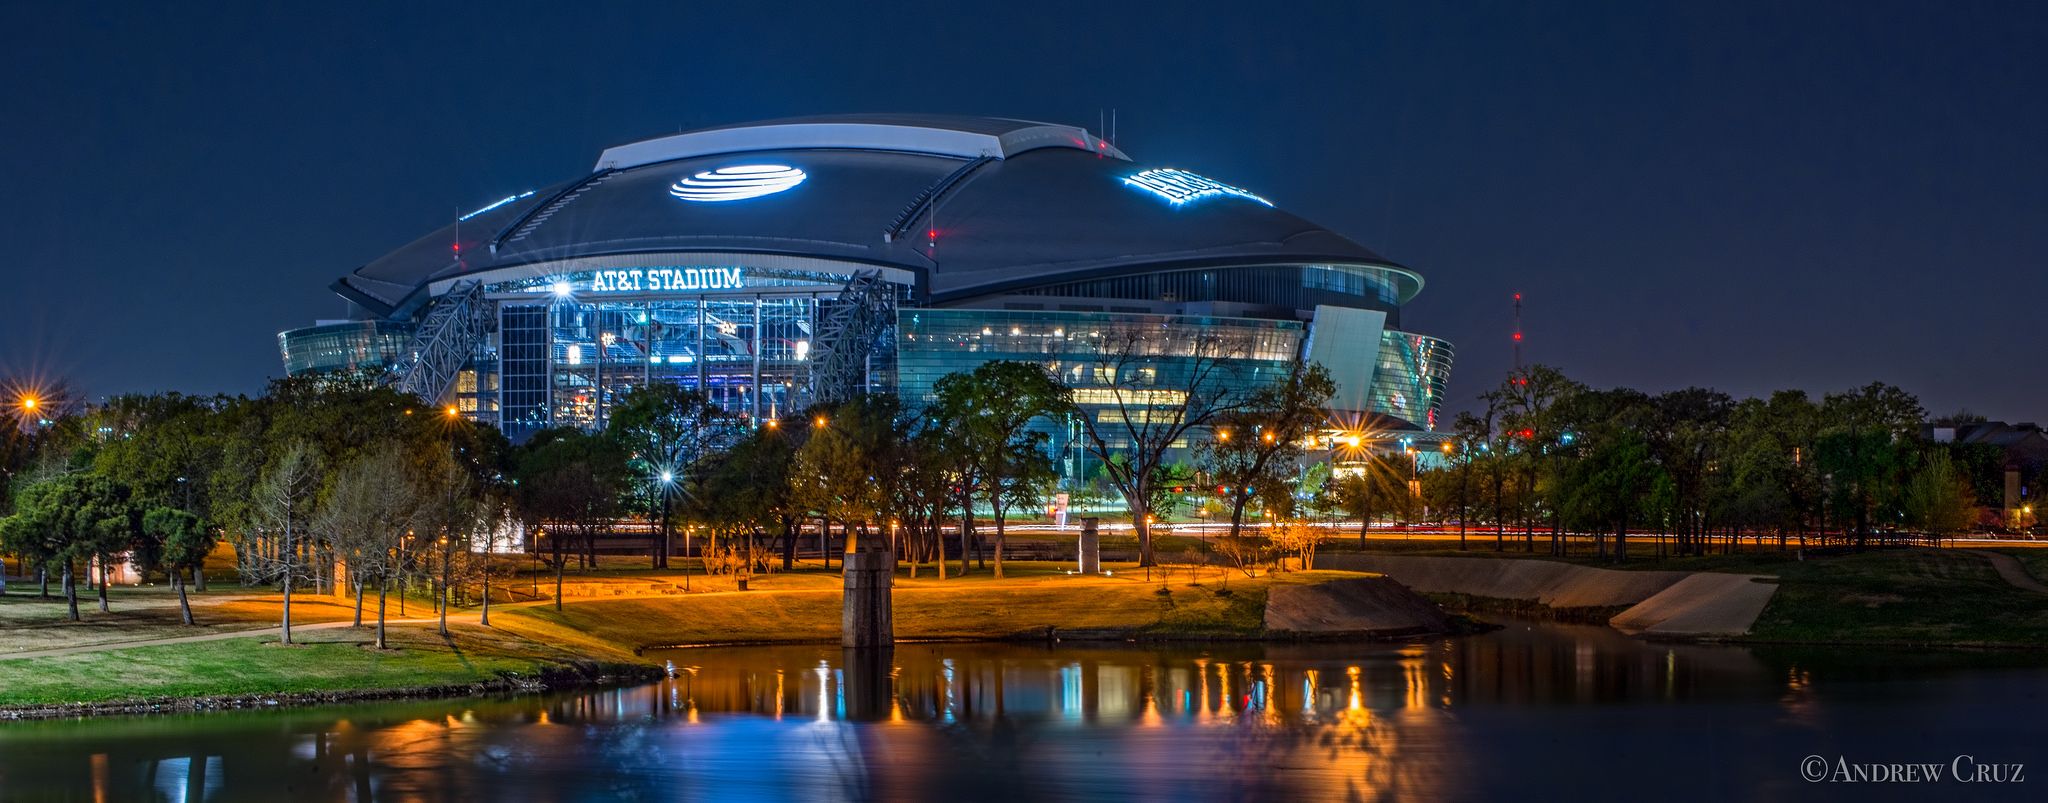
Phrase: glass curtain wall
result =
(567, 363)
(1104, 357)
(1408, 383)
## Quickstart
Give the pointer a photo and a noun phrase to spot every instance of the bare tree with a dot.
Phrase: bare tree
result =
(1152, 384)
(286, 497)
(373, 505)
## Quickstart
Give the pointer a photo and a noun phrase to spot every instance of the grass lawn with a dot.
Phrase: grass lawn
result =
(1033, 597)
(150, 612)
(325, 661)
(1910, 595)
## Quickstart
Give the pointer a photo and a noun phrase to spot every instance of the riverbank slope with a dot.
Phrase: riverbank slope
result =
(137, 659)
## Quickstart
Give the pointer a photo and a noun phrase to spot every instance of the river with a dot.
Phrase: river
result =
(1530, 712)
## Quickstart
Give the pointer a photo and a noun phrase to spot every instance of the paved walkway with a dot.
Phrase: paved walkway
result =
(465, 617)
(2014, 572)
(219, 636)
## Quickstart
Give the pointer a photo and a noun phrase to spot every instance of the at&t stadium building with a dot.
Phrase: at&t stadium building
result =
(778, 264)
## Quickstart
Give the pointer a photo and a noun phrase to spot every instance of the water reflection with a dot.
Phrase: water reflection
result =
(1473, 717)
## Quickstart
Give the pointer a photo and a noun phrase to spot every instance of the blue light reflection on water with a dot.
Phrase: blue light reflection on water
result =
(1524, 710)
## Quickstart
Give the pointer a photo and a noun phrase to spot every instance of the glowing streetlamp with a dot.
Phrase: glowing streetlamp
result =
(668, 481)
(818, 422)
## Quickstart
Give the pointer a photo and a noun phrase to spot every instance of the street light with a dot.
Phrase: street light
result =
(668, 479)
(818, 422)
(29, 402)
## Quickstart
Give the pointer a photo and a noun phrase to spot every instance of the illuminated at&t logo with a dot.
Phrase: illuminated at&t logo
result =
(1181, 186)
(736, 183)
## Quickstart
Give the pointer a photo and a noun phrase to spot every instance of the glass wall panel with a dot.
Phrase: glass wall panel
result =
(1290, 286)
(1409, 381)
(1135, 368)
(351, 346)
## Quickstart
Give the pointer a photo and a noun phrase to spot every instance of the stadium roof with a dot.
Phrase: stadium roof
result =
(973, 205)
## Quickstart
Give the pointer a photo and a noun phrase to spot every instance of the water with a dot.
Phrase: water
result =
(1531, 712)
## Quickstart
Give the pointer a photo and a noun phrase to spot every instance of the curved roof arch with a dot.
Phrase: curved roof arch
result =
(972, 204)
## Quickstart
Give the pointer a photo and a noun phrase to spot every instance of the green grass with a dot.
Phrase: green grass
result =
(1902, 596)
(326, 661)
(1033, 597)
(1908, 596)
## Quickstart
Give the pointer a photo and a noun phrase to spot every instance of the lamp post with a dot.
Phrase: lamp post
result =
(668, 479)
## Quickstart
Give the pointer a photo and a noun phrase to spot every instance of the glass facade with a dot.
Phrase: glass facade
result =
(567, 348)
(566, 358)
(1122, 367)
(348, 346)
(1290, 286)
(1409, 380)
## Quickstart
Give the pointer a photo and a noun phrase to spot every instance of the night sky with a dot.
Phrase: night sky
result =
(1742, 196)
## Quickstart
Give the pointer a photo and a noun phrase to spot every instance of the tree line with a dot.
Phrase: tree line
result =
(1545, 456)
(341, 482)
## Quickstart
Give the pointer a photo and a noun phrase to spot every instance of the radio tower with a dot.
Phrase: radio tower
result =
(1518, 333)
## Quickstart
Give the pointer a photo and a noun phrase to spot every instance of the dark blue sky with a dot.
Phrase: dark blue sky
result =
(1744, 196)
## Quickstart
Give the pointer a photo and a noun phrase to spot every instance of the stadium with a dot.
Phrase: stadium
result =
(778, 264)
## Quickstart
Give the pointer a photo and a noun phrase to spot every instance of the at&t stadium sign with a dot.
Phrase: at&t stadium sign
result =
(662, 280)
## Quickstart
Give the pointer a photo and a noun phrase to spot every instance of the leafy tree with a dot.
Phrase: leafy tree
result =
(570, 482)
(1863, 449)
(182, 541)
(990, 411)
(1537, 414)
(1685, 432)
(1938, 498)
(41, 530)
(105, 524)
(1262, 441)
(746, 486)
(1365, 491)
(844, 471)
(669, 431)
(1608, 482)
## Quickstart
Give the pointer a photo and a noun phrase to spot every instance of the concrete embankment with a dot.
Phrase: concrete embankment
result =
(1657, 602)
(1360, 606)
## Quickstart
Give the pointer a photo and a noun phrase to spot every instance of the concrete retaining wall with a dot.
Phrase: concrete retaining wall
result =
(1364, 606)
(1662, 602)
(1557, 585)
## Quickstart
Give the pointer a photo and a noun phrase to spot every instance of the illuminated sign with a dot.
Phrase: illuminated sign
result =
(495, 204)
(658, 280)
(1181, 186)
(736, 183)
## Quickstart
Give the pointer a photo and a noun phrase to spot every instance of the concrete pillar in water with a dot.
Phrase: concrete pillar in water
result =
(869, 691)
(1091, 546)
(865, 620)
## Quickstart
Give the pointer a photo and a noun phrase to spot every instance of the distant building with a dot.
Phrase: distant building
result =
(2023, 450)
